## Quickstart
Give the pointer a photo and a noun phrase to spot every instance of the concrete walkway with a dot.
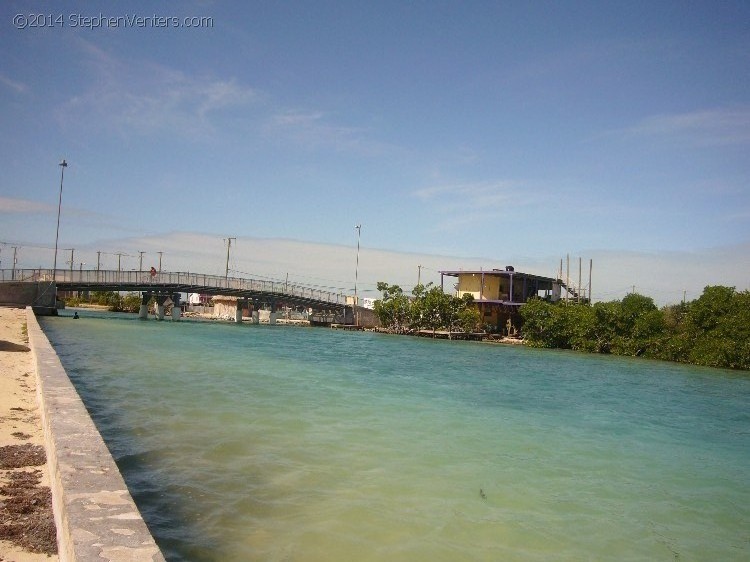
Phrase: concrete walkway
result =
(96, 518)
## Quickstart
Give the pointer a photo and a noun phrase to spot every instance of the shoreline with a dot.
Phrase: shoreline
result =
(88, 512)
(20, 425)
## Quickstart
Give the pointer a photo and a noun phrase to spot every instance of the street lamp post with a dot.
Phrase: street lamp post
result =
(63, 165)
(226, 270)
(356, 276)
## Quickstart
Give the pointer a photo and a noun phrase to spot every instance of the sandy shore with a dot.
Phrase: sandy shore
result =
(20, 435)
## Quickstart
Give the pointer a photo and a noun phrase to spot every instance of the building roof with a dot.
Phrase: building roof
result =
(498, 273)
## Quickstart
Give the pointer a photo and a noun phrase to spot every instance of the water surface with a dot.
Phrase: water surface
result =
(303, 444)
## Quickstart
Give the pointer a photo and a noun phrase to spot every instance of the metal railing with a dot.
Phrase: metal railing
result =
(185, 282)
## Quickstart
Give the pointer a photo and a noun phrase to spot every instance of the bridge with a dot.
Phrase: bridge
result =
(164, 285)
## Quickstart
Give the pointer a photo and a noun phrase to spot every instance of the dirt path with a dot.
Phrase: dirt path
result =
(27, 528)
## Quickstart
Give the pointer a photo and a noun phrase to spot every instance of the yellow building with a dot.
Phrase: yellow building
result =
(499, 293)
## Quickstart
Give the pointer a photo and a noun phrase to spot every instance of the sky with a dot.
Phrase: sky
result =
(459, 135)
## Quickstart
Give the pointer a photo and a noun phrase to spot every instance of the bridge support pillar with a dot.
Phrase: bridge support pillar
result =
(238, 312)
(273, 315)
(160, 306)
(143, 311)
(176, 307)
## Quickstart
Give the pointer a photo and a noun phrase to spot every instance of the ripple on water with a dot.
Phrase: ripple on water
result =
(254, 443)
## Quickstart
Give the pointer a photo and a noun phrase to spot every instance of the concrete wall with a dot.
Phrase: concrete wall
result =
(471, 284)
(40, 295)
(367, 318)
(96, 518)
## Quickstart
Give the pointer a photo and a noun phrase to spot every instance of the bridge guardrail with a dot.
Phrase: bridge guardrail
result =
(139, 279)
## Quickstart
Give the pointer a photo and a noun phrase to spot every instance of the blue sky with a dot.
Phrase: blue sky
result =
(462, 135)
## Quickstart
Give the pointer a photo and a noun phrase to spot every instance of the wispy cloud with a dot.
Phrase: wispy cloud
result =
(24, 206)
(317, 129)
(18, 87)
(141, 96)
(469, 196)
(661, 275)
(471, 203)
(739, 215)
(711, 127)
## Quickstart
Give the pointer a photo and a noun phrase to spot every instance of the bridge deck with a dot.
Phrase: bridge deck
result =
(178, 282)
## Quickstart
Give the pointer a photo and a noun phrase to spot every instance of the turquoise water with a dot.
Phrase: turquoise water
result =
(279, 443)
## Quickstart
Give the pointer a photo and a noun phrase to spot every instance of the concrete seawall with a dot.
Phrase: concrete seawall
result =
(95, 515)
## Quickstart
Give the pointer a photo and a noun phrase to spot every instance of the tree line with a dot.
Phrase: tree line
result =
(429, 308)
(712, 330)
(114, 301)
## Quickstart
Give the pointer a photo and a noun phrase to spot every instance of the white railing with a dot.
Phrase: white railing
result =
(180, 281)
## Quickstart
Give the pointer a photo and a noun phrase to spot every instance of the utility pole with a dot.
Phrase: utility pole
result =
(579, 280)
(356, 276)
(419, 275)
(72, 250)
(160, 253)
(119, 256)
(13, 273)
(140, 260)
(567, 277)
(591, 266)
(226, 270)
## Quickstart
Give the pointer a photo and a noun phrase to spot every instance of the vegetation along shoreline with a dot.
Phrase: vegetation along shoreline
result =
(712, 330)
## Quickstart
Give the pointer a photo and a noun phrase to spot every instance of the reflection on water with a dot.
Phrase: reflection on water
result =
(280, 443)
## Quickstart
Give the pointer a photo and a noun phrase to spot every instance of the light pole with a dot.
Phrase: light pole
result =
(226, 271)
(356, 276)
(63, 165)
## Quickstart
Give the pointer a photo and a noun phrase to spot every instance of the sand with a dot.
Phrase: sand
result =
(20, 425)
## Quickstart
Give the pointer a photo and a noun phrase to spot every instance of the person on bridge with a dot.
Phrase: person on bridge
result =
(153, 272)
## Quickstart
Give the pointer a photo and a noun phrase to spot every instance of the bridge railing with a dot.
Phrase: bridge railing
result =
(191, 282)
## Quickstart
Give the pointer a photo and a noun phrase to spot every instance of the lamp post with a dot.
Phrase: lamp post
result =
(226, 270)
(356, 275)
(62, 165)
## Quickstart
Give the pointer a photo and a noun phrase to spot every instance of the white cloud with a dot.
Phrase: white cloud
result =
(18, 87)
(129, 95)
(24, 206)
(474, 196)
(473, 203)
(316, 129)
(664, 276)
(711, 127)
